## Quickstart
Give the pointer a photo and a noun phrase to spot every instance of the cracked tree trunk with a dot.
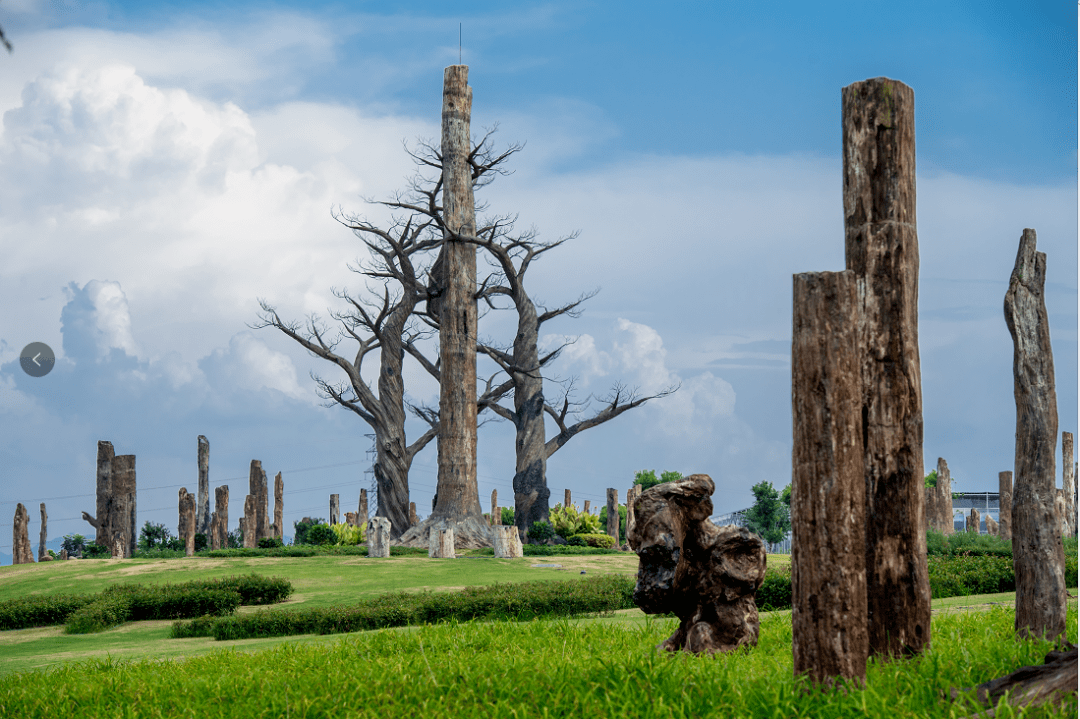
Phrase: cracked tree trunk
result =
(122, 505)
(531, 493)
(202, 519)
(1005, 504)
(458, 498)
(1038, 553)
(828, 488)
(882, 248)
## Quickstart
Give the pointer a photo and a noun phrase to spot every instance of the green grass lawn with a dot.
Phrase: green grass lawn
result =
(319, 581)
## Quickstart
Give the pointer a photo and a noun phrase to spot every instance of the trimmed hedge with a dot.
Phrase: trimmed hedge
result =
(528, 600)
(603, 541)
(172, 601)
(311, 550)
(35, 611)
(960, 576)
(104, 613)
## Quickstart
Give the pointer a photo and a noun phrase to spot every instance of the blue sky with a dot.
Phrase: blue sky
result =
(164, 165)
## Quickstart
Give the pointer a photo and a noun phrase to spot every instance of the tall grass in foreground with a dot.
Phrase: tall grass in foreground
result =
(557, 668)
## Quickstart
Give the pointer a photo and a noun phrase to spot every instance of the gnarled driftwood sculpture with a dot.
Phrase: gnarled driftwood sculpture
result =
(704, 574)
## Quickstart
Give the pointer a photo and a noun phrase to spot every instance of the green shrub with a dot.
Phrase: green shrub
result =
(568, 521)
(96, 551)
(507, 516)
(603, 594)
(99, 615)
(321, 534)
(301, 528)
(41, 611)
(173, 601)
(160, 553)
(576, 541)
(775, 591)
(201, 543)
(604, 541)
(541, 531)
(346, 535)
(270, 543)
(622, 521)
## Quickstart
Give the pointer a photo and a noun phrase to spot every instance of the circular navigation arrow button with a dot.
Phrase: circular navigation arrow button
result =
(37, 359)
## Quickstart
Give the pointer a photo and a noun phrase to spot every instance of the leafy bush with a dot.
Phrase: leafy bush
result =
(775, 591)
(576, 541)
(173, 601)
(646, 478)
(201, 544)
(153, 536)
(507, 516)
(966, 543)
(604, 541)
(321, 534)
(160, 553)
(541, 531)
(270, 543)
(603, 594)
(41, 611)
(568, 521)
(99, 615)
(347, 535)
(96, 551)
(622, 521)
(74, 544)
(301, 529)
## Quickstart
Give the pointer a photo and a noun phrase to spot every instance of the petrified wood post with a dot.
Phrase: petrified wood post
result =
(43, 554)
(706, 575)
(496, 513)
(362, 511)
(939, 512)
(613, 514)
(188, 514)
(991, 526)
(103, 536)
(21, 553)
(973, 521)
(251, 522)
(350, 519)
(221, 508)
(1005, 503)
(587, 505)
(279, 506)
(378, 537)
(458, 497)
(1038, 554)
(334, 508)
(1068, 485)
(202, 516)
(828, 486)
(566, 498)
(441, 543)
(882, 248)
(631, 495)
(413, 519)
(122, 506)
(507, 542)
(215, 542)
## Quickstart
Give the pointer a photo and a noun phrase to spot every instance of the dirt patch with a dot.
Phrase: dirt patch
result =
(21, 636)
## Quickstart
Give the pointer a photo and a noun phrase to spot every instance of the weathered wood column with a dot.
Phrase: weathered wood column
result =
(1068, 485)
(335, 506)
(221, 508)
(202, 518)
(1038, 554)
(566, 498)
(413, 519)
(613, 514)
(123, 502)
(250, 522)
(103, 535)
(496, 513)
(939, 513)
(458, 497)
(882, 248)
(1005, 504)
(973, 521)
(362, 510)
(187, 521)
(587, 506)
(378, 537)
(828, 485)
(279, 506)
(43, 536)
(21, 552)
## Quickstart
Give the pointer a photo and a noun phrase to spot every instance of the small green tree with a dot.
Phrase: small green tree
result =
(302, 527)
(769, 518)
(931, 479)
(646, 478)
(74, 544)
(153, 536)
(507, 516)
(321, 534)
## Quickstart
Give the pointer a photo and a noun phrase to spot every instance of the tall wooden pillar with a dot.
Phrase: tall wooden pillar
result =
(882, 249)
(1038, 554)
(828, 486)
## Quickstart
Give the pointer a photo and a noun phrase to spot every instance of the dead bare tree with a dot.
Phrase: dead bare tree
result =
(511, 256)
(384, 324)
